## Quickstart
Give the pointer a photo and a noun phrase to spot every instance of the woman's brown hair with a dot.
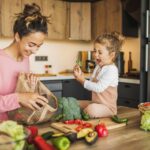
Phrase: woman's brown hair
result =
(30, 20)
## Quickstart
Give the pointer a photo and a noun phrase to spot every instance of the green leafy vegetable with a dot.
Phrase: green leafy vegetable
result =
(15, 131)
(145, 121)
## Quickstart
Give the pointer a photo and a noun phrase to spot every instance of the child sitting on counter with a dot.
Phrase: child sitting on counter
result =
(104, 80)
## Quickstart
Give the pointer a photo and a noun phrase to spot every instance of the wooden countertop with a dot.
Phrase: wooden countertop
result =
(130, 137)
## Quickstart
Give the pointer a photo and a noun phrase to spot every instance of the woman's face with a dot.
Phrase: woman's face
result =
(102, 55)
(30, 44)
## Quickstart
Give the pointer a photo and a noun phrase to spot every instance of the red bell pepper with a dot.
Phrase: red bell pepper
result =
(34, 133)
(41, 144)
(101, 130)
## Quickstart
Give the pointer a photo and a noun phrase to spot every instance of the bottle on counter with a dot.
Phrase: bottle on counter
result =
(48, 69)
(130, 62)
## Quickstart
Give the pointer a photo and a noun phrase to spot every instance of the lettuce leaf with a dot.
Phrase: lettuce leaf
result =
(145, 121)
(15, 131)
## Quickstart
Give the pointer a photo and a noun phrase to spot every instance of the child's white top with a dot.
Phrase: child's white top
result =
(107, 76)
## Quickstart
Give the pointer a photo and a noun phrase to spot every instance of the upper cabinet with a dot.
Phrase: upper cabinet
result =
(113, 15)
(8, 9)
(73, 20)
(106, 17)
(79, 21)
(57, 10)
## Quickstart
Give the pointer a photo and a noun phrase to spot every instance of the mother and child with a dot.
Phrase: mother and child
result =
(30, 30)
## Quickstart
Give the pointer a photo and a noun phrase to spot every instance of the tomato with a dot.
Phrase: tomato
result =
(69, 121)
(78, 128)
(87, 125)
(146, 104)
(101, 130)
(78, 121)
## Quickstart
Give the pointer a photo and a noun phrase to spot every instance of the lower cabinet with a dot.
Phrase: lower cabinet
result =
(68, 88)
(75, 89)
(128, 94)
(54, 86)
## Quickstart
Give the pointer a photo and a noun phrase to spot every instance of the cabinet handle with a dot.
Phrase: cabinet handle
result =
(147, 23)
(127, 102)
(146, 57)
(127, 86)
(66, 81)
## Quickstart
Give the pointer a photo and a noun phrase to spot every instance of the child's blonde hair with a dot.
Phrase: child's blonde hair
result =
(113, 42)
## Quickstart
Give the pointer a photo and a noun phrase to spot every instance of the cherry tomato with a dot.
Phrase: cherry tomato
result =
(69, 121)
(78, 128)
(87, 125)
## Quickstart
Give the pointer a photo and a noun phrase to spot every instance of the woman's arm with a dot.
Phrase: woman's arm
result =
(9, 102)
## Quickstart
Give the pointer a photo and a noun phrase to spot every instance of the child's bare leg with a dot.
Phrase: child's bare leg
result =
(84, 103)
(98, 110)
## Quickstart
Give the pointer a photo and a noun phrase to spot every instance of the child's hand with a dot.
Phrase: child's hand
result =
(79, 74)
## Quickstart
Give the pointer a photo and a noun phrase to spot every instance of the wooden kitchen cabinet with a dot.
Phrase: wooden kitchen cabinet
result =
(79, 21)
(128, 94)
(106, 17)
(8, 9)
(72, 88)
(57, 10)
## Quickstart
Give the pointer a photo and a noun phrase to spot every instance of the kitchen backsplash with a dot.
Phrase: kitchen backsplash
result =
(62, 54)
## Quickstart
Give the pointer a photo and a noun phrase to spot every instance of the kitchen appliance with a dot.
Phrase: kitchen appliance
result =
(145, 51)
(120, 63)
(86, 61)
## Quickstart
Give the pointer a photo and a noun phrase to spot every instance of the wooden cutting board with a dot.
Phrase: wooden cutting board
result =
(71, 128)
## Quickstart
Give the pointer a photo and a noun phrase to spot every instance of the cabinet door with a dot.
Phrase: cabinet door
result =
(128, 94)
(80, 21)
(72, 88)
(8, 10)
(106, 17)
(57, 11)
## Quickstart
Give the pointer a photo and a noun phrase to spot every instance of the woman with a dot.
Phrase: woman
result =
(30, 30)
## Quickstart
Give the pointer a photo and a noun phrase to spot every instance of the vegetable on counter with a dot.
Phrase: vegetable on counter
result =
(116, 119)
(91, 137)
(85, 116)
(61, 143)
(145, 121)
(15, 131)
(83, 132)
(41, 144)
(68, 109)
(34, 133)
(47, 135)
(101, 130)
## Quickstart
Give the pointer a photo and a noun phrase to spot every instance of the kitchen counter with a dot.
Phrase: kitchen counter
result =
(129, 137)
(68, 76)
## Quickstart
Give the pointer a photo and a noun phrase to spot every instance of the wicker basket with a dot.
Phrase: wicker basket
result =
(144, 107)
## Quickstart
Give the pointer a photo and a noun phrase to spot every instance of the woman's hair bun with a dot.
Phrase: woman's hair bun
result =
(31, 9)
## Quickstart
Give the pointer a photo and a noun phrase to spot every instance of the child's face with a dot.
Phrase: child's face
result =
(101, 55)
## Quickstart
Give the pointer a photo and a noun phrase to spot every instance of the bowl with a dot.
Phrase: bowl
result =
(8, 143)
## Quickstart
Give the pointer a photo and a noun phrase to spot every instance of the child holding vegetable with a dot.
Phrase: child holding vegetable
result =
(104, 80)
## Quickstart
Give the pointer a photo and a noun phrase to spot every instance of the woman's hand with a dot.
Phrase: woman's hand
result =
(79, 74)
(32, 100)
(32, 80)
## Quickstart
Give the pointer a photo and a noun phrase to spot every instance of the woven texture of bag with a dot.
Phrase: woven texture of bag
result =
(27, 116)
(143, 107)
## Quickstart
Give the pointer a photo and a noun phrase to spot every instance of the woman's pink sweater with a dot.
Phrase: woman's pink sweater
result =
(9, 70)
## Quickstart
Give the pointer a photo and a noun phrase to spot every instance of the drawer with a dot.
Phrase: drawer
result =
(129, 91)
(53, 85)
(127, 102)
(57, 93)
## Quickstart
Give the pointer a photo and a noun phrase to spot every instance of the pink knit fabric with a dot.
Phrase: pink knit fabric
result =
(9, 70)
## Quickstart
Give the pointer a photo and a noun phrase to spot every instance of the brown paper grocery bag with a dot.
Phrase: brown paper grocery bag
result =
(27, 116)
